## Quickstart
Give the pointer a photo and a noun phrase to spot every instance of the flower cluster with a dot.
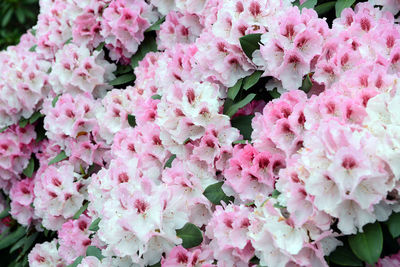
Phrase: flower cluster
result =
(125, 151)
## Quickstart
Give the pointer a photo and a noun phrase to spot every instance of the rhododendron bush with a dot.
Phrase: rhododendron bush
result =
(202, 133)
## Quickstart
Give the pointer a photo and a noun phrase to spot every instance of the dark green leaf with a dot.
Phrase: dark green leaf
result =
(148, 45)
(80, 211)
(394, 225)
(35, 116)
(100, 47)
(7, 17)
(61, 156)
(156, 97)
(158, 264)
(215, 194)
(20, 15)
(131, 120)
(123, 79)
(12, 237)
(342, 4)
(53, 103)
(123, 69)
(308, 4)
(250, 43)
(325, 7)
(307, 84)
(235, 107)
(367, 246)
(191, 235)
(243, 124)
(95, 252)
(251, 80)
(169, 161)
(76, 262)
(344, 256)
(18, 244)
(28, 171)
(95, 225)
(274, 93)
(234, 90)
(23, 122)
(156, 25)
(29, 242)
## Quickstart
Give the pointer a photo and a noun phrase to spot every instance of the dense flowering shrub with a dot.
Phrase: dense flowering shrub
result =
(202, 133)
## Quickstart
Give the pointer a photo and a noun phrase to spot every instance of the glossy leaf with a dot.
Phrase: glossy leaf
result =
(251, 80)
(342, 4)
(345, 257)
(367, 246)
(235, 107)
(308, 4)
(76, 262)
(28, 171)
(94, 226)
(156, 25)
(148, 45)
(61, 156)
(250, 43)
(190, 234)
(132, 120)
(325, 7)
(234, 90)
(215, 194)
(394, 225)
(12, 237)
(95, 252)
(123, 79)
(80, 211)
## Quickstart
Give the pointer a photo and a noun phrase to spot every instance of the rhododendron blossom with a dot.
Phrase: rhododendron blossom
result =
(202, 133)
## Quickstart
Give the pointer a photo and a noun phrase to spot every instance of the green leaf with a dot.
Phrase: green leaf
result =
(53, 103)
(20, 15)
(29, 242)
(33, 32)
(234, 90)
(156, 25)
(95, 252)
(169, 161)
(23, 122)
(394, 225)
(275, 193)
(28, 171)
(61, 156)
(148, 45)
(215, 194)
(190, 234)
(308, 4)
(243, 124)
(12, 237)
(367, 246)
(7, 17)
(342, 4)
(344, 256)
(80, 211)
(94, 226)
(251, 80)
(307, 84)
(3, 129)
(250, 43)
(18, 244)
(240, 142)
(325, 7)
(131, 120)
(5, 212)
(100, 47)
(274, 93)
(126, 78)
(235, 107)
(158, 264)
(68, 41)
(35, 116)
(76, 262)
(155, 97)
